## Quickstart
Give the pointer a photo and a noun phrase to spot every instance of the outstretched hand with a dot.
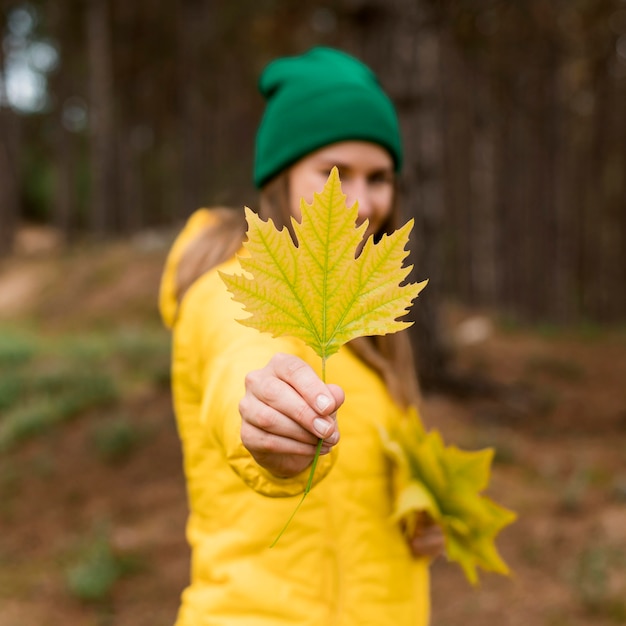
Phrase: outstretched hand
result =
(285, 410)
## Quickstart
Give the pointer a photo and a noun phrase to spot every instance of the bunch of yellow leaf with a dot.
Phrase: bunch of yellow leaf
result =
(445, 483)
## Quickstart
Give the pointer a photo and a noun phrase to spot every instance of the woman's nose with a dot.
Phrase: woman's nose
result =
(358, 191)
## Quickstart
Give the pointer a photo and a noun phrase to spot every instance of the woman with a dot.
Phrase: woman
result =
(250, 408)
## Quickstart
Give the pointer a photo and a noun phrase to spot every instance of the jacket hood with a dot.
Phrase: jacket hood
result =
(168, 303)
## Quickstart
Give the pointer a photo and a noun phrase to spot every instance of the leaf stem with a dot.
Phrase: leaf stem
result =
(309, 483)
(306, 491)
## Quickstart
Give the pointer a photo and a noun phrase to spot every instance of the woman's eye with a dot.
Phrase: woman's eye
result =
(381, 179)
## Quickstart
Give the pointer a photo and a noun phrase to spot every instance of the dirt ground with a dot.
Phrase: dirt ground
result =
(558, 425)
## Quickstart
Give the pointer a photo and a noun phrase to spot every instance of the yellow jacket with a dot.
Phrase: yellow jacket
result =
(341, 562)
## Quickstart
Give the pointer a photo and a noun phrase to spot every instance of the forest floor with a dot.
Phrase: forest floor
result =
(92, 499)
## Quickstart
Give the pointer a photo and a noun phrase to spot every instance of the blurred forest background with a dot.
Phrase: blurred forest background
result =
(119, 118)
(116, 116)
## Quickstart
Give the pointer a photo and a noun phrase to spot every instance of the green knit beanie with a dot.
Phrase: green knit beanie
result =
(316, 99)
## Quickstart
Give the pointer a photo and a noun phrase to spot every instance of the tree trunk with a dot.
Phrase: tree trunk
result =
(457, 144)
(400, 40)
(101, 118)
(130, 79)
(192, 33)
(64, 209)
(414, 82)
(9, 165)
(9, 176)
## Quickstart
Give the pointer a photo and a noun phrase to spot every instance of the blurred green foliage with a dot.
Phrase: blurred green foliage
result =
(593, 570)
(47, 380)
(96, 567)
(115, 440)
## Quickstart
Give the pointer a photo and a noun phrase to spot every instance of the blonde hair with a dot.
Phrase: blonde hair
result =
(214, 244)
(388, 355)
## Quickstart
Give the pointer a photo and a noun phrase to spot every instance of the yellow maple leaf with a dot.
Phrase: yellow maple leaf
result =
(317, 288)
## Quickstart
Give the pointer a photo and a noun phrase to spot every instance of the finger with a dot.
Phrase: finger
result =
(302, 396)
(339, 396)
(268, 398)
(263, 416)
(428, 543)
(420, 549)
(259, 441)
(301, 376)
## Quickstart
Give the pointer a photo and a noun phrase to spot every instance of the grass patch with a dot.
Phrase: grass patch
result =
(618, 488)
(56, 400)
(11, 386)
(115, 440)
(583, 330)
(47, 380)
(503, 443)
(572, 494)
(16, 348)
(591, 580)
(96, 568)
(557, 368)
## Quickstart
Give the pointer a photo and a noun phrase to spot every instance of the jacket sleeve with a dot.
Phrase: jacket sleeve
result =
(218, 353)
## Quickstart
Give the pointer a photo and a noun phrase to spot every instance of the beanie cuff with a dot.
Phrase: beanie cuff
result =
(318, 99)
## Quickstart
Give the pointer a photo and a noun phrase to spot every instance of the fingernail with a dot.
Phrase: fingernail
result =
(322, 402)
(333, 439)
(321, 426)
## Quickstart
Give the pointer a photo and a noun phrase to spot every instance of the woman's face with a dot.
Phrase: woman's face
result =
(367, 175)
